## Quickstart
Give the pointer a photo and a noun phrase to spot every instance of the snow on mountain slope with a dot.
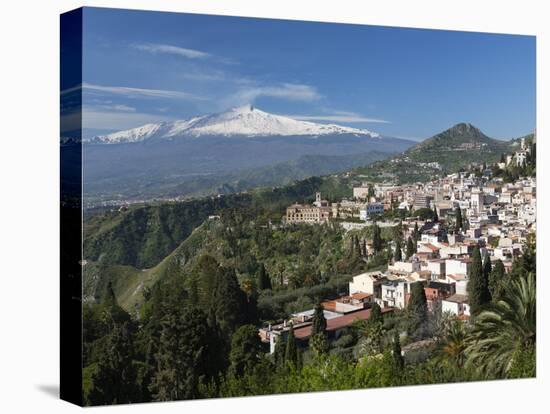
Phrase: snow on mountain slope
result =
(244, 121)
(131, 135)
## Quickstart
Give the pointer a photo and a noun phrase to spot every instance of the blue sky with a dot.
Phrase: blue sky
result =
(141, 67)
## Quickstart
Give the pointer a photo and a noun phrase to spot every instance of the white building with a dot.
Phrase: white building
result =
(436, 267)
(456, 304)
(393, 294)
(457, 266)
(366, 282)
(405, 267)
(453, 251)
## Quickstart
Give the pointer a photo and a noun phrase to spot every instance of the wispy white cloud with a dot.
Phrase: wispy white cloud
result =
(204, 76)
(116, 107)
(158, 48)
(171, 50)
(351, 118)
(289, 91)
(130, 92)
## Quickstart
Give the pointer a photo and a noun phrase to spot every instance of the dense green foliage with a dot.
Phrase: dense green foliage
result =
(503, 338)
(143, 236)
(184, 346)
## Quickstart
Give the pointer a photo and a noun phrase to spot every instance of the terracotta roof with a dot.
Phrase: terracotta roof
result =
(360, 296)
(329, 305)
(338, 323)
(431, 247)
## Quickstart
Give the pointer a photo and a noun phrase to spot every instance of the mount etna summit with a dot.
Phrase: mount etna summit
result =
(243, 121)
(224, 152)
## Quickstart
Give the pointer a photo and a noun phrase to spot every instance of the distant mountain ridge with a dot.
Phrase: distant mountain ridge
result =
(462, 136)
(234, 150)
(243, 121)
(447, 151)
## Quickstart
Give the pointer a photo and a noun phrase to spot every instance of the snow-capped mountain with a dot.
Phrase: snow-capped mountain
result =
(244, 121)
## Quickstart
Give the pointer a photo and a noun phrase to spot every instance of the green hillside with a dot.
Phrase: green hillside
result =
(457, 147)
(143, 235)
(131, 284)
(446, 152)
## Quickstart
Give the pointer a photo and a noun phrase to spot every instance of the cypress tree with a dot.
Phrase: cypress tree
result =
(417, 308)
(318, 341)
(376, 239)
(397, 255)
(478, 286)
(410, 248)
(436, 217)
(264, 280)
(318, 344)
(365, 253)
(418, 303)
(279, 354)
(496, 281)
(416, 232)
(291, 350)
(319, 323)
(398, 362)
(375, 315)
(487, 267)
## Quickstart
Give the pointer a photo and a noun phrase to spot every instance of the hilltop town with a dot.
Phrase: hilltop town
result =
(443, 224)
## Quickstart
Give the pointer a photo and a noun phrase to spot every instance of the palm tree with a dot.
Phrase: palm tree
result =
(504, 330)
(455, 344)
